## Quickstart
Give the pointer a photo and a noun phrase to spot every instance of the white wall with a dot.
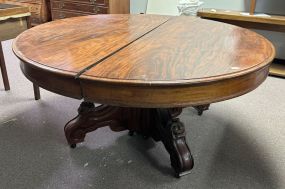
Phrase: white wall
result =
(168, 7)
(138, 6)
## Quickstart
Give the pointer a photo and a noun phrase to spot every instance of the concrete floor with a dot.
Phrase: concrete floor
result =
(239, 143)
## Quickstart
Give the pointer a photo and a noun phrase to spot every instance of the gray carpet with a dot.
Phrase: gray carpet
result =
(239, 143)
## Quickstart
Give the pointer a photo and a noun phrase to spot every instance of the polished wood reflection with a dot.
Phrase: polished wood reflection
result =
(76, 43)
(187, 49)
(144, 60)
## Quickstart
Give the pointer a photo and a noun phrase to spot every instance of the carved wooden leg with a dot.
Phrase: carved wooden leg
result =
(4, 70)
(160, 124)
(89, 119)
(172, 133)
(202, 108)
(37, 93)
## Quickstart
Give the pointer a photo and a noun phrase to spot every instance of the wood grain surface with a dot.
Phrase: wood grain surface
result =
(186, 49)
(75, 43)
(145, 60)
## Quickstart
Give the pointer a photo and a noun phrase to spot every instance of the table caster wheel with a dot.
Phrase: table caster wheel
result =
(73, 146)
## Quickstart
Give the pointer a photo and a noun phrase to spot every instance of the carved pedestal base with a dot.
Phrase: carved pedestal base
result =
(160, 124)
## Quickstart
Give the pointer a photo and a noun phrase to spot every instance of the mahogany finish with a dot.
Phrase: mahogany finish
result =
(73, 44)
(184, 67)
(200, 66)
(274, 23)
(185, 50)
(145, 69)
(160, 124)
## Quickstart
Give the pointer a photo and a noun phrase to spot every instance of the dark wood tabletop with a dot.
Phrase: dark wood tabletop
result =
(144, 60)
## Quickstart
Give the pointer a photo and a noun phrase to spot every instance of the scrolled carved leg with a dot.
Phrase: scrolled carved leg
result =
(171, 132)
(91, 118)
(160, 124)
(202, 108)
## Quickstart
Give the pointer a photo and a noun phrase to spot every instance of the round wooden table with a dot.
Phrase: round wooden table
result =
(144, 69)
